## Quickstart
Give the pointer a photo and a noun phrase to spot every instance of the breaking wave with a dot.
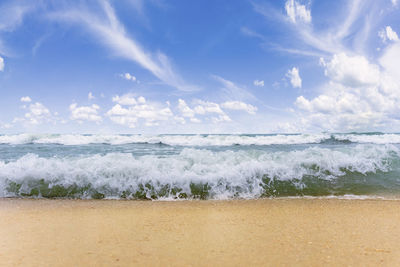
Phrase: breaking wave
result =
(200, 173)
(200, 140)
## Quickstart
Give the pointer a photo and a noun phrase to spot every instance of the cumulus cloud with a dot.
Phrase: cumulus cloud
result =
(26, 99)
(132, 111)
(388, 34)
(37, 114)
(359, 96)
(91, 96)
(185, 110)
(238, 105)
(394, 2)
(297, 12)
(1, 64)
(128, 76)
(128, 111)
(390, 62)
(258, 83)
(85, 113)
(206, 107)
(362, 93)
(294, 77)
(213, 111)
(127, 100)
(353, 71)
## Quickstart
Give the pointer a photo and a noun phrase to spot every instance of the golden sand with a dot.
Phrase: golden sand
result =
(281, 232)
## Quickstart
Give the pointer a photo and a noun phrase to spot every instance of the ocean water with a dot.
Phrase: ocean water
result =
(199, 166)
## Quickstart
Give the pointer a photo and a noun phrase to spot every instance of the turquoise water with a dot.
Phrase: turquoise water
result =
(199, 166)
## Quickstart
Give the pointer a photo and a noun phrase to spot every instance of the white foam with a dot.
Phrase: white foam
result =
(195, 140)
(372, 139)
(228, 173)
(181, 140)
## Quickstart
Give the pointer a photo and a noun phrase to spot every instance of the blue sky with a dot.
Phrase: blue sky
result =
(158, 66)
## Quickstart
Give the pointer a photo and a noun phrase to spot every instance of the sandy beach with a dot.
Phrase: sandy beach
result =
(283, 232)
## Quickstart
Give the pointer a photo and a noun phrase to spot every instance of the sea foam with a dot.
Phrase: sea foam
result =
(198, 173)
(197, 140)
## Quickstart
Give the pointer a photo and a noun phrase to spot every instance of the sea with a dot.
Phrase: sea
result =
(177, 167)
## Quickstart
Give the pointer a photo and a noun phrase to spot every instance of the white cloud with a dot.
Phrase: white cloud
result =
(204, 107)
(135, 110)
(85, 113)
(297, 12)
(1, 64)
(388, 34)
(221, 118)
(125, 100)
(195, 120)
(238, 105)
(185, 110)
(391, 35)
(359, 96)
(108, 29)
(390, 61)
(37, 114)
(26, 99)
(362, 93)
(91, 96)
(211, 108)
(352, 71)
(232, 90)
(128, 76)
(258, 83)
(294, 77)
(122, 116)
(6, 126)
(339, 36)
(394, 2)
(12, 14)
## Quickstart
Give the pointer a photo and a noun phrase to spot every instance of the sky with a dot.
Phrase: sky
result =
(210, 66)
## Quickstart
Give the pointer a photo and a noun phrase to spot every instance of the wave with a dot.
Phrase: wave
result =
(369, 138)
(200, 140)
(201, 173)
(175, 140)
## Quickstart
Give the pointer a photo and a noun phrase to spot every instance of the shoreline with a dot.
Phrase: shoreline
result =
(282, 231)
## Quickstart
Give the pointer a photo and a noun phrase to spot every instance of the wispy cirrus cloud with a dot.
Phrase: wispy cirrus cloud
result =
(104, 24)
(329, 40)
(11, 17)
(232, 90)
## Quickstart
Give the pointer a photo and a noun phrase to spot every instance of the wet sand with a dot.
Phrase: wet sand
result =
(280, 232)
